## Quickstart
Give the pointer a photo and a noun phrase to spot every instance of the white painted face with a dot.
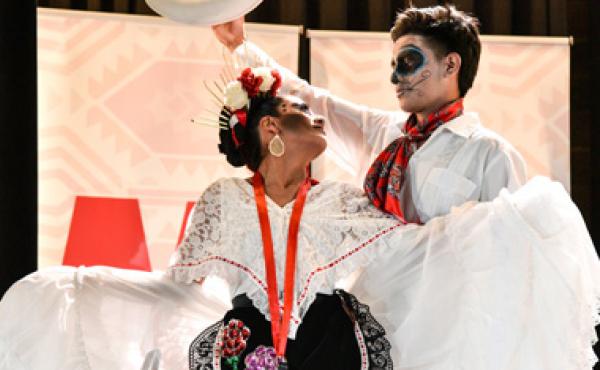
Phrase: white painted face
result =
(419, 76)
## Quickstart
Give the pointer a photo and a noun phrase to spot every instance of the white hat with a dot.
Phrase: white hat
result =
(203, 12)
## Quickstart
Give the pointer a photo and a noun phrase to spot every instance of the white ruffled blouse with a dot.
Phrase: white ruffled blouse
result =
(340, 232)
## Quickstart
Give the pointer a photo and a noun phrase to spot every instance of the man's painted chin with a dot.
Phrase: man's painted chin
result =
(406, 105)
(403, 96)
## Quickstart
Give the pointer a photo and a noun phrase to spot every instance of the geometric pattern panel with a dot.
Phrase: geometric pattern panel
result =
(116, 96)
(521, 91)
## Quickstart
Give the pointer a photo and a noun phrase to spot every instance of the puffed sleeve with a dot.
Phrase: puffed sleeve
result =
(505, 168)
(202, 237)
(355, 133)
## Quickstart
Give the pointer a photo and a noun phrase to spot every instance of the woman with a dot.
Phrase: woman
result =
(276, 138)
(488, 286)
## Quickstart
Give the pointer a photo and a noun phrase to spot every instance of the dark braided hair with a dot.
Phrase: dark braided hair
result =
(248, 153)
(446, 30)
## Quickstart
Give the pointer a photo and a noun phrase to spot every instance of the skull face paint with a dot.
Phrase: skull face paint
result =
(408, 62)
(419, 76)
(409, 69)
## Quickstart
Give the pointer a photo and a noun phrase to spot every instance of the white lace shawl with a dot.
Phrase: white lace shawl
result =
(340, 232)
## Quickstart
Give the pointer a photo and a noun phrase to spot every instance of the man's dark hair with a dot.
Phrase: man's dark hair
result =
(446, 30)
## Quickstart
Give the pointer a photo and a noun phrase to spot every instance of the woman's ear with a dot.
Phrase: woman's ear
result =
(452, 63)
(270, 125)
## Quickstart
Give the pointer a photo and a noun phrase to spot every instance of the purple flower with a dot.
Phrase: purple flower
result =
(262, 358)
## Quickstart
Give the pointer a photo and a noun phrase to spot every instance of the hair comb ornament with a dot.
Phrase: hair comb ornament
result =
(216, 116)
(233, 98)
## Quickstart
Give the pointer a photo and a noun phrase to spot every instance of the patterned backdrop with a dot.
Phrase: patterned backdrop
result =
(521, 91)
(116, 95)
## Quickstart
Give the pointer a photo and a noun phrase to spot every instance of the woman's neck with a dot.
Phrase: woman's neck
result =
(282, 180)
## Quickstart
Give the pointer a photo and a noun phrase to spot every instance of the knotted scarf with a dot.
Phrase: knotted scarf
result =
(387, 173)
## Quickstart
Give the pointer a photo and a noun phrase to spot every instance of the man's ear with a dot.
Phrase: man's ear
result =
(452, 63)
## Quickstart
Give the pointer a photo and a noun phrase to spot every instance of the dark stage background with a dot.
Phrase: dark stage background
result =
(18, 136)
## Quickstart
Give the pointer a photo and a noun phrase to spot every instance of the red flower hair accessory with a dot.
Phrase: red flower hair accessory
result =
(252, 82)
(239, 116)
(276, 84)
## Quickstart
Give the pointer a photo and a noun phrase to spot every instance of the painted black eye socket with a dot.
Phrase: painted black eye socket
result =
(408, 62)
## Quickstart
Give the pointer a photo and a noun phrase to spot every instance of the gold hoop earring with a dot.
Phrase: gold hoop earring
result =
(276, 146)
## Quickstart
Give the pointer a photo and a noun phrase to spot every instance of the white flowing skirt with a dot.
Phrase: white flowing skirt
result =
(511, 284)
(504, 285)
(103, 318)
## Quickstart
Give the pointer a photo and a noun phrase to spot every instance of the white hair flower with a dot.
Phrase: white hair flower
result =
(235, 96)
(267, 78)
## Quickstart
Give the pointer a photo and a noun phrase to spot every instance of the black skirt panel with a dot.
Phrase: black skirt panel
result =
(336, 333)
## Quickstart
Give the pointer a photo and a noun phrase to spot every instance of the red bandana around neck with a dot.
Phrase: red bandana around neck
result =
(387, 173)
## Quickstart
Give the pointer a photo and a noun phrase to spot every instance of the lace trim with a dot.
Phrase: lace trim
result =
(215, 265)
(373, 333)
(188, 275)
(339, 224)
(204, 228)
(336, 263)
(374, 347)
(360, 339)
(218, 344)
(202, 349)
(189, 271)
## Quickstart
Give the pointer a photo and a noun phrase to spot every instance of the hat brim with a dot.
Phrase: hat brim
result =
(202, 12)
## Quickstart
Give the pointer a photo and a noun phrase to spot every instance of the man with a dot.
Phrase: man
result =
(439, 157)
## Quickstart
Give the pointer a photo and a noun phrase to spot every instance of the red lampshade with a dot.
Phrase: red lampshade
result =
(109, 232)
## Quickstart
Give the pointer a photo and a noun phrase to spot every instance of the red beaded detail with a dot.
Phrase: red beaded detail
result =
(362, 347)
(244, 268)
(310, 276)
(340, 259)
(217, 350)
(231, 262)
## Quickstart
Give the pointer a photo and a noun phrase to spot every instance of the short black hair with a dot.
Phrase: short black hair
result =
(249, 152)
(447, 30)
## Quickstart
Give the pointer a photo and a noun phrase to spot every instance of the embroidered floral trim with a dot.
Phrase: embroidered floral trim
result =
(364, 357)
(373, 334)
(205, 350)
(202, 348)
(233, 343)
(216, 361)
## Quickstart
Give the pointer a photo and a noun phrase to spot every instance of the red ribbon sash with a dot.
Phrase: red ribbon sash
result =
(279, 325)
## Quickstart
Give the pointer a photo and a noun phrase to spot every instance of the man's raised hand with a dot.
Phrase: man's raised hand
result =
(230, 34)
